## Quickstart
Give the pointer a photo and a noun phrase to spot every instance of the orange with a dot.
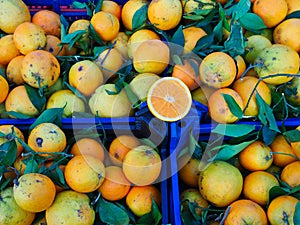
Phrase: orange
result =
(29, 37)
(220, 183)
(291, 174)
(12, 14)
(191, 35)
(245, 211)
(218, 108)
(190, 7)
(281, 210)
(293, 5)
(80, 24)
(245, 86)
(19, 101)
(11, 212)
(111, 7)
(53, 47)
(47, 138)
(272, 12)
(34, 192)
(278, 146)
(146, 59)
(202, 94)
(255, 44)
(137, 38)
(8, 50)
(288, 33)
(189, 173)
(169, 99)
(139, 199)
(8, 129)
(187, 74)
(4, 89)
(13, 70)
(218, 70)
(277, 59)
(194, 197)
(85, 76)
(256, 156)
(40, 68)
(88, 146)
(115, 185)
(257, 186)
(139, 161)
(128, 11)
(109, 61)
(120, 146)
(241, 66)
(165, 14)
(296, 145)
(48, 20)
(84, 173)
(70, 206)
(106, 25)
(120, 43)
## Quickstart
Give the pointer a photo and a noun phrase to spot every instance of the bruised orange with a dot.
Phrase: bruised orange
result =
(13, 70)
(48, 20)
(189, 173)
(191, 35)
(291, 174)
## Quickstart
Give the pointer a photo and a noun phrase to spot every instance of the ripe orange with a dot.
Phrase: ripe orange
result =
(189, 173)
(18, 101)
(121, 43)
(111, 7)
(245, 87)
(202, 94)
(281, 210)
(165, 14)
(218, 108)
(8, 129)
(291, 174)
(88, 146)
(220, 183)
(34, 192)
(277, 59)
(40, 68)
(13, 70)
(191, 7)
(293, 5)
(240, 65)
(255, 44)
(47, 138)
(296, 145)
(288, 33)
(120, 146)
(191, 36)
(48, 20)
(245, 211)
(146, 59)
(272, 12)
(8, 49)
(218, 69)
(187, 74)
(115, 185)
(169, 99)
(193, 196)
(80, 24)
(139, 199)
(257, 186)
(70, 206)
(139, 161)
(53, 47)
(280, 145)
(4, 89)
(106, 25)
(84, 173)
(85, 76)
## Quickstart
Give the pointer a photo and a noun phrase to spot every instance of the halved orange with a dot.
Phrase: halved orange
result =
(169, 99)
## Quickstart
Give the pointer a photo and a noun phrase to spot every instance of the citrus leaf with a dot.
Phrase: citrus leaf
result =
(72, 38)
(295, 14)
(228, 151)
(98, 50)
(233, 106)
(204, 42)
(78, 5)
(292, 135)
(3, 73)
(139, 18)
(108, 212)
(235, 44)
(18, 115)
(268, 135)
(95, 36)
(241, 9)
(218, 31)
(152, 217)
(64, 24)
(8, 153)
(132, 97)
(98, 6)
(233, 130)
(252, 22)
(31, 166)
(275, 192)
(187, 217)
(297, 214)
(52, 115)
(37, 100)
(178, 37)
(5, 184)
(76, 92)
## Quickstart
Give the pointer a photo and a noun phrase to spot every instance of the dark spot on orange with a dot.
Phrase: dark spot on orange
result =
(39, 142)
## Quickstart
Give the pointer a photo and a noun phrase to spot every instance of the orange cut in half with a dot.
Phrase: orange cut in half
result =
(169, 99)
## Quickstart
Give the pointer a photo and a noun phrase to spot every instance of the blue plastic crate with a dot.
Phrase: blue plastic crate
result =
(178, 140)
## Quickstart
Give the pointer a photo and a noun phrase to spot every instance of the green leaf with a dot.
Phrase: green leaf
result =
(76, 92)
(72, 38)
(152, 217)
(228, 151)
(187, 217)
(3, 73)
(218, 31)
(140, 16)
(8, 153)
(265, 114)
(297, 214)
(132, 97)
(98, 6)
(37, 100)
(95, 36)
(52, 115)
(275, 192)
(233, 106)
(5, 184)
(64, 26)
(78, 5)
(251, 21)
(204, 42)
(178, 37)
(292, 135)
(295, 14)
(31, 166)
(235, 44)
(108, 212)
(268, 135)
(98, 50)
(233, 130)
(18, 115)
(241, 9)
